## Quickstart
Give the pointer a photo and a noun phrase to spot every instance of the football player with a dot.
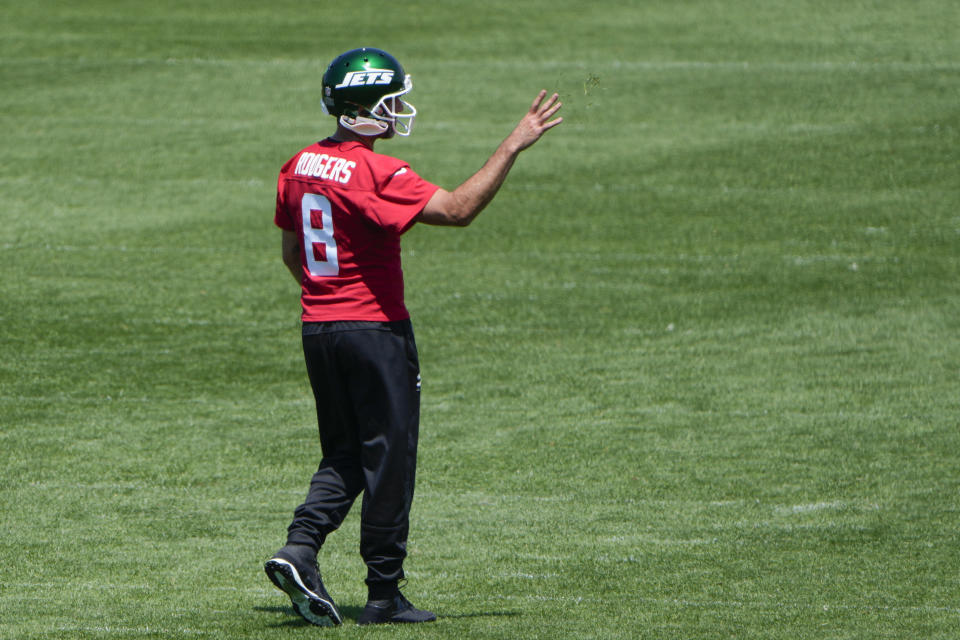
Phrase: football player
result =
(342, 209)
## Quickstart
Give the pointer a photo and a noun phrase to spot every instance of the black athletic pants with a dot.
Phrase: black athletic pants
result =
(366, 382)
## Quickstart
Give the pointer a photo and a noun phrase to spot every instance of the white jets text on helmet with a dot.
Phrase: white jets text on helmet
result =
(368, 77)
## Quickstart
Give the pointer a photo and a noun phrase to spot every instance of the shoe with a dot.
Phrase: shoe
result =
(294, 571)
(392, 611)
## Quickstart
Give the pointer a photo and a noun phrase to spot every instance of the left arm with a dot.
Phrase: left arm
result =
(291, 254)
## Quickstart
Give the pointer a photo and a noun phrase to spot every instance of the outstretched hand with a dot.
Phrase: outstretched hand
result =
(536, 122)
(461, 206)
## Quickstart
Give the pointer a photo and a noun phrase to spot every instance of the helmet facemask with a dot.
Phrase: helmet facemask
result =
(390, 112)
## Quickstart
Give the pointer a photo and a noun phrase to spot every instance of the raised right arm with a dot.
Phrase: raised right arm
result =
(460, 206)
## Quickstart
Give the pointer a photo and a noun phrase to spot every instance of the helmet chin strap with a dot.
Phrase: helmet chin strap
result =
(365, 126)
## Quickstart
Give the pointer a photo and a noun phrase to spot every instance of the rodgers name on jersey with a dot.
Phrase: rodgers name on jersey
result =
(326, 167)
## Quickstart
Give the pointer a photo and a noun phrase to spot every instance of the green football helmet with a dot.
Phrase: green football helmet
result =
(362, 88)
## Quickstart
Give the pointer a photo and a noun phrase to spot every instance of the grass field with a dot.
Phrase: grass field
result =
(694, 374)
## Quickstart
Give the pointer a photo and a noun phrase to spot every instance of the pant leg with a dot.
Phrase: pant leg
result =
(365, 378)
(333, 489)
(339, 478)
(386, 397)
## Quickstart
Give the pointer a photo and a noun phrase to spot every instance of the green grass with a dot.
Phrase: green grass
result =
(692, 375)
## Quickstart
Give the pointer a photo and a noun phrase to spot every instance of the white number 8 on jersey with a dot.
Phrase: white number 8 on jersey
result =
(323, 262)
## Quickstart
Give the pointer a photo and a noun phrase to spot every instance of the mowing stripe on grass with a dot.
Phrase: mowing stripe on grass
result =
(546, 65)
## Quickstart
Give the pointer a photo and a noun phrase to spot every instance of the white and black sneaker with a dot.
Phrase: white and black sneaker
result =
(294, 571)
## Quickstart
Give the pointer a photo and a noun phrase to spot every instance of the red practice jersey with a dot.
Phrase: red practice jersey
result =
(349, 206)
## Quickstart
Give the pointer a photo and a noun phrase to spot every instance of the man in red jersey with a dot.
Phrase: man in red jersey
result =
(342, 209)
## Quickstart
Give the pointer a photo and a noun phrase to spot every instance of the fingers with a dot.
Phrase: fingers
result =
(546, 110)
(549, 108)
(542, 111)
(537, 121)
(552, 124)
(536, 101)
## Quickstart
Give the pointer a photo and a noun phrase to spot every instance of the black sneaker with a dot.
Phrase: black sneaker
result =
(294, 571)
(392, 611)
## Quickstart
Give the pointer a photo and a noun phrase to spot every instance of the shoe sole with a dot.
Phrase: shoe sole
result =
(310, 606)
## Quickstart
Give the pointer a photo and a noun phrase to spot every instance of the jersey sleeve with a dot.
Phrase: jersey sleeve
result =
(402, 195)
(281, 216)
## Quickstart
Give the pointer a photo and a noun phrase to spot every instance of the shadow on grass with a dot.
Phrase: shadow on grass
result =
(350, 613)
(480, 614)
(294, 621)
